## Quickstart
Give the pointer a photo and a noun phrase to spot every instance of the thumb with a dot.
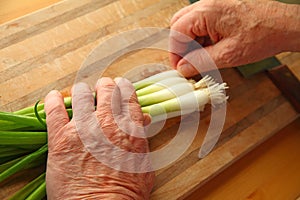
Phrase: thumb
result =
(205, 59)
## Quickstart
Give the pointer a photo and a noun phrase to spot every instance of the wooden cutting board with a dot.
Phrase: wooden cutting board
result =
(44, 51)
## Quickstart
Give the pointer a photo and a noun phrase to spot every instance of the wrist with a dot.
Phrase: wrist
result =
(111, 196)
(113, 190)
(112, 193)
(121, 192)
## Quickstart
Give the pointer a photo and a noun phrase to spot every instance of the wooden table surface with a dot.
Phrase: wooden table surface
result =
(270, 171)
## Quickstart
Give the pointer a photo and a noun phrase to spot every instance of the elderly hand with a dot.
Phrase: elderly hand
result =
(82, 165)
(239, 32)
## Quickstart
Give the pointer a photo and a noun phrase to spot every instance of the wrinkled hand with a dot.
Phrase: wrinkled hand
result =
(233, 32)
(72, 171)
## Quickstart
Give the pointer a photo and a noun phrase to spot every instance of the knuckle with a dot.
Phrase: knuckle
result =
(52, 119)
(54, 110)
(229, 55)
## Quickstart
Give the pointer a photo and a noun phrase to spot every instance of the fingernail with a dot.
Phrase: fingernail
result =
(186, 69)
(119, 80)
(54, 92)
(104, 81)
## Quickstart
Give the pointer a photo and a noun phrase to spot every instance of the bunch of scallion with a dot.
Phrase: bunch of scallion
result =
(23, 134)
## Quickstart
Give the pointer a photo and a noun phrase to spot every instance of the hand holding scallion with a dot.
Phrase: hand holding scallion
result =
(72, 172)
(233, 32)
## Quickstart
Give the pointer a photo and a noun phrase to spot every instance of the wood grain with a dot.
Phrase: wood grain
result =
(10, 10)
(271, 171)
(45, 50)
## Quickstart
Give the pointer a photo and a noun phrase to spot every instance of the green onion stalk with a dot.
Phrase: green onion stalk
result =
(23, 133)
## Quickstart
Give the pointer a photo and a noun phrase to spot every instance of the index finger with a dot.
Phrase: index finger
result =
(183, 31)
(176, 49)
(180, 13)
(56, 114)
(189, 26)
